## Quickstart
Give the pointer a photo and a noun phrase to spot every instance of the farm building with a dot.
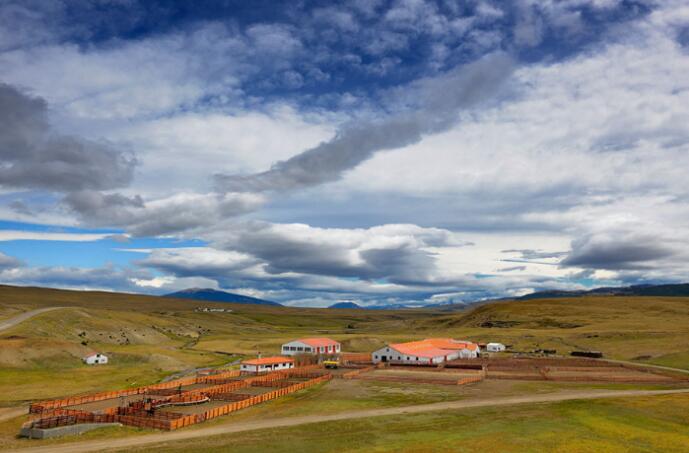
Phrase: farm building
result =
(495, 347)
(265, 364)
(313, 346)
(95, 359)
(426, 352)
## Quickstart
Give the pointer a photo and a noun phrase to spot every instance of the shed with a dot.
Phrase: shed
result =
(95, 359)
(495, 347)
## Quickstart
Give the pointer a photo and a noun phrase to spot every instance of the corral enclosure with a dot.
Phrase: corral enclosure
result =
(175, 404)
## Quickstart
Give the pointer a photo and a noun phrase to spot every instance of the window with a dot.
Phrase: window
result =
(417, 358)
(399, 358)
(375, 356)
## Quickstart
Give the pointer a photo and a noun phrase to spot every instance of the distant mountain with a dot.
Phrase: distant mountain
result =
(670, 290)
(345, 305)
(393, 306)
(213, 295)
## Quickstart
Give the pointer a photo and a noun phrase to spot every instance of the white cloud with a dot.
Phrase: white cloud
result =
(23, 235)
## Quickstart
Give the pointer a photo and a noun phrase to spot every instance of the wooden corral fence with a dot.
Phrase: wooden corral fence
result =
(354, 373)
(142, 413)
(352, 357)
(39, 407)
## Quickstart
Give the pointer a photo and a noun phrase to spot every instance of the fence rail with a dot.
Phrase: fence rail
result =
(137, 414)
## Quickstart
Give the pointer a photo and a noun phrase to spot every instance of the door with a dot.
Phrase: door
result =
(383, 358)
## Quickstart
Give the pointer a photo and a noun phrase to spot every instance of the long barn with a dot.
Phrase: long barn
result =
(431, 351)
(314, 346)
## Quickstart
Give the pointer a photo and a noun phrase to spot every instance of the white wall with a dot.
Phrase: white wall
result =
(495, 347)
(297, 347)
(96, 359)
(393, 355)
(266, 368)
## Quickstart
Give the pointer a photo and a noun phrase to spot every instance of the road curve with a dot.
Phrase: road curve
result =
(185, 434)
(8, 323)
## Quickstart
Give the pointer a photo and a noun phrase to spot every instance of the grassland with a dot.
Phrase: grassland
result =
(150, 338)
(619, 425)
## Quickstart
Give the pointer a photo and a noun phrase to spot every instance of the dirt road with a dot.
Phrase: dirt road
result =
(7, 323)
(184, 434)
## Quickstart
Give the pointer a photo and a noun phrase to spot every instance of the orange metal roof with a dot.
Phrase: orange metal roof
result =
(318, 342)
(433, 347)
(267, 361)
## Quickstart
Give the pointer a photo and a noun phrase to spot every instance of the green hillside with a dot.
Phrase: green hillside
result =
(149, 338)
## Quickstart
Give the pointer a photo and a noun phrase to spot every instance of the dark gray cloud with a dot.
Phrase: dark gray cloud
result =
(36, 157)
(439, 102)
(107, 277)
(9, 262)
(616, 251)
(174, 214)
(530, 254)
(393, 253)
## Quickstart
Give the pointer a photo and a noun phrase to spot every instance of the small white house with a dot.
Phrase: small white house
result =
(95, 359)
(495, 347)
(266, 364)
(314, 346)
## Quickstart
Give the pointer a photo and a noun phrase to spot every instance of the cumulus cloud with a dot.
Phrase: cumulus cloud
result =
(396, 253)
(615, 250)
(36, 157)
(198, 261)
(441, 99)
(9, 262)
(173, 214)
(105, 278)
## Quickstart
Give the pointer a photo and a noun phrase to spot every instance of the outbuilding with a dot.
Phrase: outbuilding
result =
(314, 346)
(431, 351)
(266, 364)
(495, 347)
(95, 359)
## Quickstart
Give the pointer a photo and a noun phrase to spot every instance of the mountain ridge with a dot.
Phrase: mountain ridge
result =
(214, 295)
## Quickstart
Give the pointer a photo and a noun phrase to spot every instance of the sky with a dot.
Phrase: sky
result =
(369, 151)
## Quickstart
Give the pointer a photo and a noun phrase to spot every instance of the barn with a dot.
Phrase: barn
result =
(95, 359)
(265, 364)
(431, 351)
(314, 346)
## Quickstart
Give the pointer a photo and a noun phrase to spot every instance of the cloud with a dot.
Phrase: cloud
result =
(441, 100)
(103, 278)
(9, 262)
(197, 261)
(18, 235)
(173, 214)
(616, 251)
(397, 253)
(36, 157)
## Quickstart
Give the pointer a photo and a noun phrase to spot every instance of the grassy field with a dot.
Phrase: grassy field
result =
(149, 338)
(645, 424)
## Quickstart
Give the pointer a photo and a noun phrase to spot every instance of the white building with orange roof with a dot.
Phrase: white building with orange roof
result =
(431, 351)
(266, 364)
(314, 346)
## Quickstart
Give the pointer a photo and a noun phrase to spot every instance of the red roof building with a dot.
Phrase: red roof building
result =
(315, 346)
(266, 364)
(429, 351)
